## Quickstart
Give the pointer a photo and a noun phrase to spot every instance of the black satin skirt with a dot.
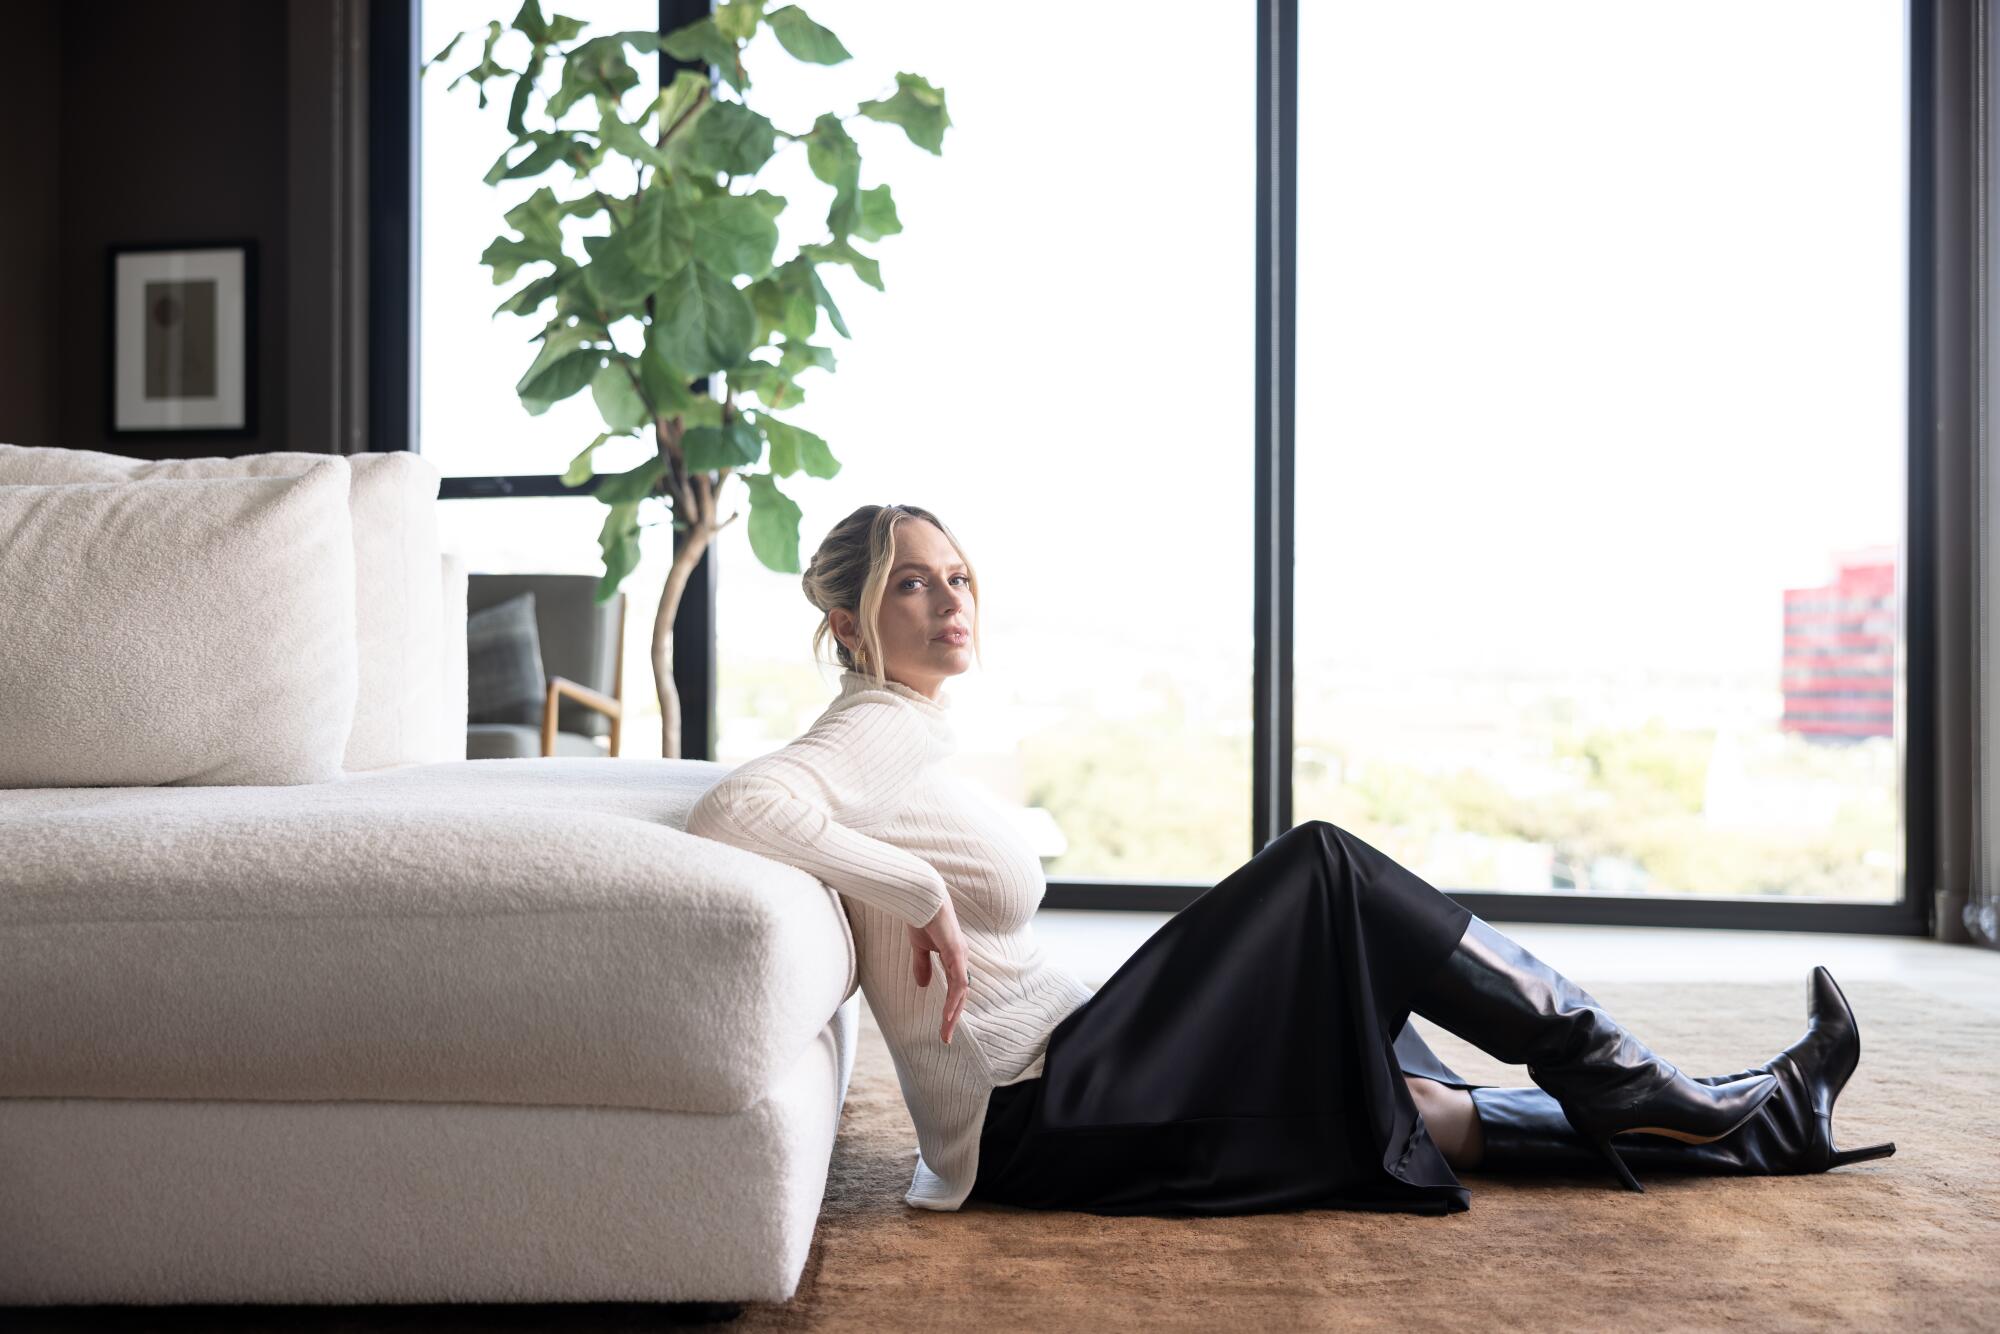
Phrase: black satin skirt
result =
(1249, 1057)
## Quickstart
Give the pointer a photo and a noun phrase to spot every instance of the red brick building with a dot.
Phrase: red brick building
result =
(1839, 667)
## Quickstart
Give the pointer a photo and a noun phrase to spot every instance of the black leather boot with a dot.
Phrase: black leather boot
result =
(1524, 1129)
(1496, 995)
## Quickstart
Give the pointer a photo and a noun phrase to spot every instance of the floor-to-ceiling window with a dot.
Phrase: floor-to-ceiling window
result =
(1058, 365)
(1599, 494)
(1600, 442)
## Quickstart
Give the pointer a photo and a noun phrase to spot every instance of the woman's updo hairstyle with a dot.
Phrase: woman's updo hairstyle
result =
(851, 570)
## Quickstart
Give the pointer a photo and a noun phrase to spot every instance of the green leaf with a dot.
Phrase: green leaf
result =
(666, 384)
(733, 234)
(506, 256)
(579, 470)
(789, 297)
(824, 299)
(832, 153)
(557, 29)
(524, 87)
(659, 239)
(528, 299)
(705, 322)
(774, 524)
(703, 41)
(703, 411)
(630, 140)
(783, 301)
(737, 19)
(784, 457)
(563, 28)
(734, 444)
(618, 400)
(688, 91)
(793, 447)
(564, 366)
(877, 215)
(530, 21)
(836, 159)
(538, 218)
(487, 68)
(594, 67)
(865, 267)
(798, 355)
(439, 58)
(771, 204)
(613, 278)
(551, 147)
(804, 38)
(917, 107)
(730, 137)
(618, 539)
(771, 385)
(634, 486)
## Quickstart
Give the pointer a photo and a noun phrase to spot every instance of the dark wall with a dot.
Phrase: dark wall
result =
(30, 309)
(172, 124)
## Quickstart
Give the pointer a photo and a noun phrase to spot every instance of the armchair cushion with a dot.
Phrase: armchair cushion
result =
(196, 631)
(503, 664)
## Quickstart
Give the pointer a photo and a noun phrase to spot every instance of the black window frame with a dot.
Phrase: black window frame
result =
(1940, 120)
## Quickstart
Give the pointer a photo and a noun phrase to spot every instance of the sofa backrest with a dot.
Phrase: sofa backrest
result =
(402, 624)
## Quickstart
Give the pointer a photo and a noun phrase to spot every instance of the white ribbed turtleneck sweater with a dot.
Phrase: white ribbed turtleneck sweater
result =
(861, 802)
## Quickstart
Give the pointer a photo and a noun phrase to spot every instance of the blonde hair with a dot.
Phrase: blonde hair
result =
(851, 570)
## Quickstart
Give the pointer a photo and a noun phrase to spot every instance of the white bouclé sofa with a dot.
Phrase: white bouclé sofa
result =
(297, 1005)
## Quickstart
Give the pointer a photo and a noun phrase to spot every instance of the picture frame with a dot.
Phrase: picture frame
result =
(181, 338)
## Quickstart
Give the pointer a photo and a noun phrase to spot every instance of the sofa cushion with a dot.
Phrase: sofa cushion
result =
(514, 931)
(399, 611)
(194, 631)
(503, 664)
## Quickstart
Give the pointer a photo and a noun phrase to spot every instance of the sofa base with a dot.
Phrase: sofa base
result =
(152, 1201)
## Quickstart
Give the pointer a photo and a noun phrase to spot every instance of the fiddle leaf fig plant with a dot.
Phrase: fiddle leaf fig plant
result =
(717, 330)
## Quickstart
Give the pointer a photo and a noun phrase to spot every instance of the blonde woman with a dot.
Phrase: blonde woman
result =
(1255, 1053)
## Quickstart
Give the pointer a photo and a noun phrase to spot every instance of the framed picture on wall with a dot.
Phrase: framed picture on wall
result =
(183, 338)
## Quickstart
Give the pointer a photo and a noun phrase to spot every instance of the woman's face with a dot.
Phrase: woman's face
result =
(928, 594)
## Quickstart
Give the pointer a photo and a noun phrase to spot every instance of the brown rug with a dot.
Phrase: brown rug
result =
(1910, 1241)
(1905, 1243)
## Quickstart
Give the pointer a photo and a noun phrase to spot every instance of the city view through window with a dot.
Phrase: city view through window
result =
(1599, 429)
(1600, 443)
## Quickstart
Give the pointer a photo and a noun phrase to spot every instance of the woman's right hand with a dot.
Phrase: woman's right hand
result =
(941, 934)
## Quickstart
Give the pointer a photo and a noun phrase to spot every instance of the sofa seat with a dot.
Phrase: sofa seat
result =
(518, 931)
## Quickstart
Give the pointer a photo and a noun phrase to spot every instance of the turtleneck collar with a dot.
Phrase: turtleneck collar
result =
(936, 712)
(851, 681)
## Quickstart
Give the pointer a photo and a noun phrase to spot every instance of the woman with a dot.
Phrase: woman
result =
(1255, 1053)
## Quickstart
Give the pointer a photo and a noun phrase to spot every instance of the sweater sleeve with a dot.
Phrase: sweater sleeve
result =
(788, 805)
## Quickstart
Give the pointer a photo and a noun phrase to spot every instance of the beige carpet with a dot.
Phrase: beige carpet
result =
(1911, 1241)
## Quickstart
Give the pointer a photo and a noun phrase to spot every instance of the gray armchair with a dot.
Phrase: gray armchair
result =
(554, 682)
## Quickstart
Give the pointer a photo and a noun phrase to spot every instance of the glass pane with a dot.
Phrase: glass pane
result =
(1060, 367)
(558, 535)
(470, 420)
(1600, 443)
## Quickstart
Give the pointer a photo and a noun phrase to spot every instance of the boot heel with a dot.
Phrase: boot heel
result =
(1845, 1156)
(1618, 1165)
